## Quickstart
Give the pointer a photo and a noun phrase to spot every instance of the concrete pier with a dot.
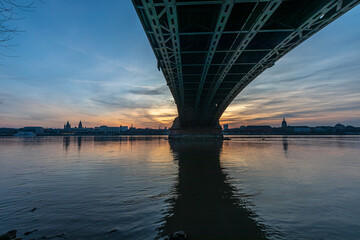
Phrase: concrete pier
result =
(195, 133)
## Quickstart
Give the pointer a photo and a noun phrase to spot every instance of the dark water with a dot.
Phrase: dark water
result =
(146, 188)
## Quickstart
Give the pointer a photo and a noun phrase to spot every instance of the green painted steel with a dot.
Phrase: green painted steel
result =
(209, 51)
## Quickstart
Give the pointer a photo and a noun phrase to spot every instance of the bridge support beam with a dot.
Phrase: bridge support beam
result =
(195, 133)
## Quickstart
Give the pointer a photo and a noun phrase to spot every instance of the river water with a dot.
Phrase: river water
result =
(252, 187)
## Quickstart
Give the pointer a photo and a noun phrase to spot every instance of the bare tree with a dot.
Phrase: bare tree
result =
(9, 14)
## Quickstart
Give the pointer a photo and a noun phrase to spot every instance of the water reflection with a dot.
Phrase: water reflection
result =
(79, 140)
(205, 205)
(285, 145)
(66, 143)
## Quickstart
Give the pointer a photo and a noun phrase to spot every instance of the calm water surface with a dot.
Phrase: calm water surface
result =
(146, 187)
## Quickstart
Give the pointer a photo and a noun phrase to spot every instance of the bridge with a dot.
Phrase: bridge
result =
(210, 50)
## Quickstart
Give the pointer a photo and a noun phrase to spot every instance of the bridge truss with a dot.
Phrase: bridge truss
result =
(209, 51)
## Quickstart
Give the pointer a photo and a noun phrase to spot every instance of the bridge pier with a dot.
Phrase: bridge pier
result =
(177, 132)
(205, 72)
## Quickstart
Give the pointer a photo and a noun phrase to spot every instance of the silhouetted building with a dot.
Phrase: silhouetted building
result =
(284, 124)
(324, 130)
(108, 130)
(36, 130)
(67, 125)
(226, 127)
(340, 126)
(8, 131)
(298, 129)
(53, 131)
(259, 129)
(340, 129)
(80, 125)
(351, 129)
(124, 128)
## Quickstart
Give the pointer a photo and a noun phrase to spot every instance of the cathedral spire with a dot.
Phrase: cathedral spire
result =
(67, 125)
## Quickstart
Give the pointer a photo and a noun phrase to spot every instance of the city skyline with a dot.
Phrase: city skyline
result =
(79, 125)
(70, 66)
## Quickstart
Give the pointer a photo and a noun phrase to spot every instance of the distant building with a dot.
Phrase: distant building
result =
(124, 128)
(67, 125)
(80, 125)
(25, 134)
(299, 129)
(8, 131)
(324, 130)
(259, 129)
(284, 124)
(226, 127)
(36, 130)
(108, 130)
(53, 131)
(340, 127)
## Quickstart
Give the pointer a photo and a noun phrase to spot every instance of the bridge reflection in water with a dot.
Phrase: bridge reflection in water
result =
(205, 205)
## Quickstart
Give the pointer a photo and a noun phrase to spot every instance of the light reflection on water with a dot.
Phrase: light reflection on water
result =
(145, 187)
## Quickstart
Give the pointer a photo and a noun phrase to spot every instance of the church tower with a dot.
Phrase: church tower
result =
(283, 124)
(67, 125)
(80, 125)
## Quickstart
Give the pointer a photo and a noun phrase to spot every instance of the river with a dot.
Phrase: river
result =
(250, 187)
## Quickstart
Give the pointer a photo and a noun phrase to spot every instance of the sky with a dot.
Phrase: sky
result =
(90, 60)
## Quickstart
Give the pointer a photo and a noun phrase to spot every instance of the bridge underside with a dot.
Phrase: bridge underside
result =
(209, 51)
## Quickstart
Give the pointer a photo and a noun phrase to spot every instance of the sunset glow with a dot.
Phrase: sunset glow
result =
(103, 72)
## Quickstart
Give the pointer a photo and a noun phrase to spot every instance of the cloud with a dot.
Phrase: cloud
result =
(150, 91)
(320, 90)
(120, 102)
(61, 77)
